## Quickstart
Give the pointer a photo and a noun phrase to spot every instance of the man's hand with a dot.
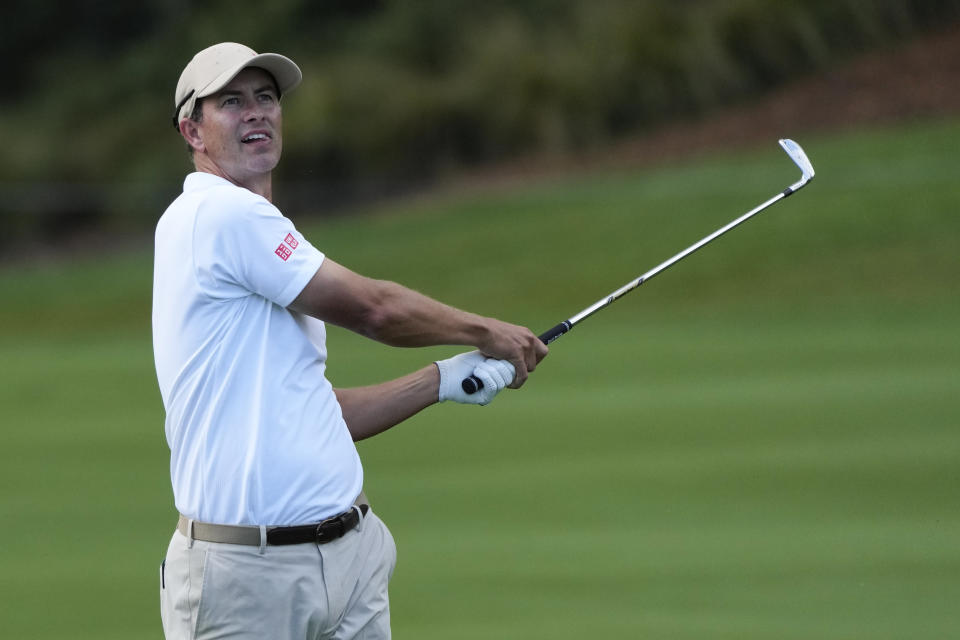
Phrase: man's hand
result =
(495, 374)
(515, 344)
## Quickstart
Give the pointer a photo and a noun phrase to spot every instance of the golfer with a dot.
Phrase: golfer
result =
(275, 537)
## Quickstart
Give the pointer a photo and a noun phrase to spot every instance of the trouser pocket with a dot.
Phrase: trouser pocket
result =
(181, 583)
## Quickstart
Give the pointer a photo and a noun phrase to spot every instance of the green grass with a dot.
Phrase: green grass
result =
(762, 442)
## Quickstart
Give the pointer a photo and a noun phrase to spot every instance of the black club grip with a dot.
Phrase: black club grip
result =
(472, 384)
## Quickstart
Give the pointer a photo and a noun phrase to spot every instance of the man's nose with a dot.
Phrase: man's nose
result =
(253, 112)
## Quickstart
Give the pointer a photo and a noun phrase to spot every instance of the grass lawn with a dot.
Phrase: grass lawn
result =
(760, 443)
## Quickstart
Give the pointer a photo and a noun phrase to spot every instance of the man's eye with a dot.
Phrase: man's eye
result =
(266, 97)
(230, 101)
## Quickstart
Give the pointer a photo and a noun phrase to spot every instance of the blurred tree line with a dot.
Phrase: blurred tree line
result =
(395, 92)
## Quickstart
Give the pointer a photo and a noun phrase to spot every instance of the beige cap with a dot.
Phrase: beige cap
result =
(214, 67)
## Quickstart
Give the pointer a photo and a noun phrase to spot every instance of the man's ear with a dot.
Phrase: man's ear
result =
(191, 133)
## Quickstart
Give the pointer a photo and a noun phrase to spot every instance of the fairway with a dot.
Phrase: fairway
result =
(760, 443)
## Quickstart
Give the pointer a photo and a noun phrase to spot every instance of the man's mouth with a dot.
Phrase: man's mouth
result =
(254, 137)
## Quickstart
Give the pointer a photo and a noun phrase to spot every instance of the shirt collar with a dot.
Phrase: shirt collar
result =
(199, 180)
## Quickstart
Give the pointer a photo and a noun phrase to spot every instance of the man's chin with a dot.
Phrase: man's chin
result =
(263, 163)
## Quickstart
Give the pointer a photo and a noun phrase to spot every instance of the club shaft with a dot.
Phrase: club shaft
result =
(630, 286)
(472, 383)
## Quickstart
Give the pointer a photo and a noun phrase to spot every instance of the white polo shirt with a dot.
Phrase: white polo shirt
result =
(255, 432)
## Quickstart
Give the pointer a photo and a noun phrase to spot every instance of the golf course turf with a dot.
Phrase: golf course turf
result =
(761, 443)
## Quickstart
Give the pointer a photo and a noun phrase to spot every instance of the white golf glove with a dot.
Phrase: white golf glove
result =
(495, 375)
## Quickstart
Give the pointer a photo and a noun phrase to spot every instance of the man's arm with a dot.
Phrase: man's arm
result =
(398, 316)
(374, 409)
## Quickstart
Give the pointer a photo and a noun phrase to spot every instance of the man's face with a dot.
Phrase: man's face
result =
(241, 126)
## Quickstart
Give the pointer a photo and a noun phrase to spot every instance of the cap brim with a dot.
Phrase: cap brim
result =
(284, 70)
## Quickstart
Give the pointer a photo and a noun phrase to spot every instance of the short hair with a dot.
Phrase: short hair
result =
(197, 116)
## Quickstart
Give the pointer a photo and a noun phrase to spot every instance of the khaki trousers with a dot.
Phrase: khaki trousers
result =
(334, 591)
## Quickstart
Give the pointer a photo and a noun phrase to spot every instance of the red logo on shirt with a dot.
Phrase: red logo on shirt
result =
(290, 240)
(283, 252)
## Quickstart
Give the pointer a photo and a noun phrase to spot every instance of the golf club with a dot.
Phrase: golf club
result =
(473, 384)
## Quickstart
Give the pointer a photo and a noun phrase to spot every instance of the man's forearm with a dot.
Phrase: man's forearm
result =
(374, 409)
(387, 311)
(407, 318)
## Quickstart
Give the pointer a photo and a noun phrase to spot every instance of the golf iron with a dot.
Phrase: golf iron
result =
(473, 384)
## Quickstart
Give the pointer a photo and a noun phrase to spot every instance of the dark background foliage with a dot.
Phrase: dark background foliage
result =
(396, 94)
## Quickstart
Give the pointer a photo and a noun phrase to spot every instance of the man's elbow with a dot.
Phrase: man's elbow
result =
(380, 316)
(378, 324)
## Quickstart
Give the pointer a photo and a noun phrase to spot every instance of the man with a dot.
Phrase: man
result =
(275, 538)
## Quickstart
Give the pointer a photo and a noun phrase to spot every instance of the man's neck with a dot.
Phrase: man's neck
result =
(260, 184)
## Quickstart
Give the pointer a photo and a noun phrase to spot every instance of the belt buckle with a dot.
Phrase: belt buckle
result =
(325, 533)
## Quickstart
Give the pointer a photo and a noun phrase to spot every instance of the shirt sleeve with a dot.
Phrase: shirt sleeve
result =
(244, 245)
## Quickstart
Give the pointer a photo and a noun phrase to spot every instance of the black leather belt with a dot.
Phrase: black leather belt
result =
(321, 533)
(327, 531)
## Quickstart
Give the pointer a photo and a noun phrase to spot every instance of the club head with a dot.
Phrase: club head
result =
(800, 158)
